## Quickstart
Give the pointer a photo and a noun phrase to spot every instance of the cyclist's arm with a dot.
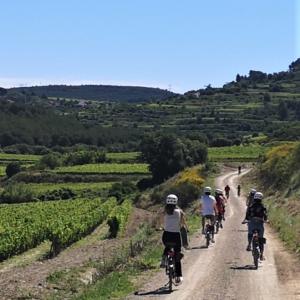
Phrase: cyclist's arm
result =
(183, 220)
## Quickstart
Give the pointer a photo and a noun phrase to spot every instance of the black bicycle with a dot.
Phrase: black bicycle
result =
(218, 223)
(170, 265)
(255, 245)
(208, 231)
(255, 248)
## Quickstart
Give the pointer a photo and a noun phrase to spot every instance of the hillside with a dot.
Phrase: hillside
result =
(98, 92)
(258, 107)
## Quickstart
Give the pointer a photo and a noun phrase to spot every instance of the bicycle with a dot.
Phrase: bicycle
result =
(256, 253)
(208, 231)
(170, 266)
(218, 223)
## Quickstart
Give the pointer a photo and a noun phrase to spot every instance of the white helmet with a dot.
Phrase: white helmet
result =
(258, 196)
(207, 189)
(252, 191)
(219, 191)
(172, 199)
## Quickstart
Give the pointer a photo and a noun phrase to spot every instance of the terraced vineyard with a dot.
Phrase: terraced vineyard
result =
(41, 188)
(106, 169)
(19, 157)
(236, 153)
(24, 226)
(2, 170)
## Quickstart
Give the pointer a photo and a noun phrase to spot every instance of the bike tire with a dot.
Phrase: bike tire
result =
(207, 241)
(255, 258)
(171, 275)
(217, 227)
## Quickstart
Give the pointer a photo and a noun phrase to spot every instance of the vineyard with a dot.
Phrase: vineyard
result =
(113, 168)
(25, 226)
(40, 188)
(242, 153)
(19, 157)
(2, 170)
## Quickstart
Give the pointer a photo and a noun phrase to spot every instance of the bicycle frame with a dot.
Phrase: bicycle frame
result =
(170, 267)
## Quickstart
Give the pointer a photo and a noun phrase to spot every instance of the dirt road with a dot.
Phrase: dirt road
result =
(225, 269)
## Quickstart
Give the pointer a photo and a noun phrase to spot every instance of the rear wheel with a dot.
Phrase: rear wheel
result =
(255, 256)
(171, 275)
(207, 240)
(217, 226)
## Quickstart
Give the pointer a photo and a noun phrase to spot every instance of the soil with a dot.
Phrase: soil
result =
(30, 281)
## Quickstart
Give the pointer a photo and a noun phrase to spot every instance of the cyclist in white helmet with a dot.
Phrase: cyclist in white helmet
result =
(173, 220)
(208, 208)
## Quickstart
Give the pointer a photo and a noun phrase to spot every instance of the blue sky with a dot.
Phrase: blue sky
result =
(181, 45)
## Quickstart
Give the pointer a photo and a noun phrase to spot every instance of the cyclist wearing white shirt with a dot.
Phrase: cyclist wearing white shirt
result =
(208, 208)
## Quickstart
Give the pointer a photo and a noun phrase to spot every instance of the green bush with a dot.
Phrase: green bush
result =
(17, 193)
(51, 160)
(12, 169)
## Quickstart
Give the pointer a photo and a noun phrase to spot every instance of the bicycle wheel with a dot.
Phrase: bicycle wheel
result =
(255, 257)
(217, 227)
(171, 275)
(207, 240)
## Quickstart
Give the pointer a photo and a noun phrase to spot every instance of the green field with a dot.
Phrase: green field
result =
(41, 188)
(18, 157)
(106, 169)
(2, 170)
(24, 226)
(235, 153)
(122, 156)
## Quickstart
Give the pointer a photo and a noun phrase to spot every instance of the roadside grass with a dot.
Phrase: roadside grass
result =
(285, 223)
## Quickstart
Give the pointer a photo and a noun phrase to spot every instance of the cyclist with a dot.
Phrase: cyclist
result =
(239, 169)
(208, 209)
(220, 203)
(173, 219)
(250, 197)
(256, 216)
(227, 190)
(239, 190)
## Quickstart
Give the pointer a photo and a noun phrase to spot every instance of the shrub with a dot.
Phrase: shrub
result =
(120, 190)
(51, 160)
(17, 193)
(12, 169)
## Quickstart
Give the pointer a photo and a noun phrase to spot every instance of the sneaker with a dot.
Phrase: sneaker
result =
(178, 280)
(248, 248)
(261, 257)
(212, 240)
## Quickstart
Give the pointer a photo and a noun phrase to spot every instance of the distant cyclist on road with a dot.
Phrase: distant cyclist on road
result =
(239, 190)
(227, 190)
(256, 216)
(239, 170)
(173, 219)
(208, 208)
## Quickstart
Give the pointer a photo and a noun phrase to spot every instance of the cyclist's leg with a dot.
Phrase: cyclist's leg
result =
(165, 240)
(212, 222)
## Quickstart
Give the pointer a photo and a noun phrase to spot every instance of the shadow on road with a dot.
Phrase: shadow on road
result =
(246, 267)
(160, 291)
(199, 247)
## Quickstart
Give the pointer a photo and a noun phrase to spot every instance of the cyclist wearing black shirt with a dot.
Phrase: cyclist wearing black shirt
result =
(256, 216)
